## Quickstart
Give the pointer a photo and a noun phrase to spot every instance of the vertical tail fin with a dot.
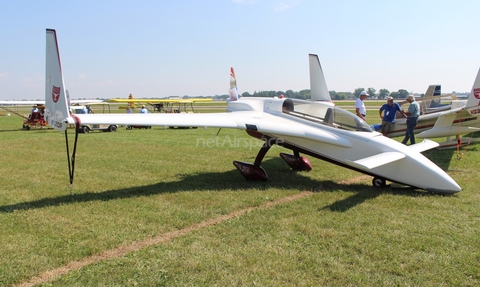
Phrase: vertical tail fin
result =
(432, 91)
(56, 103)
(318, 85)
(474, 97)
(233, 86)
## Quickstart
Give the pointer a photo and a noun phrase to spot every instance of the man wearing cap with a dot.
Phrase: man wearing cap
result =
(389, 115)
(360, 109)
(144, 110)
(412, 118)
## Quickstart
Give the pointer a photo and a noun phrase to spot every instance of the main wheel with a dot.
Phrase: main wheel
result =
(379, 182)
(112, 128)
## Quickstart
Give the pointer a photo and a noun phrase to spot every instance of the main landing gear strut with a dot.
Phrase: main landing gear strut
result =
(256, 172)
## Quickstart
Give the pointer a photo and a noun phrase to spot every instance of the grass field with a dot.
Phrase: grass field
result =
(161, 207)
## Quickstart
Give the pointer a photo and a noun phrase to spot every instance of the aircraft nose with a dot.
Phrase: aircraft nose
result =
(445, 185)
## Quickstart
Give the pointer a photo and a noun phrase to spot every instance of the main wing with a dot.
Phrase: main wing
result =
(252, 121)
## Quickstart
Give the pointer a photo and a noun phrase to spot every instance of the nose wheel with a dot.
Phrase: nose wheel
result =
(379, 182)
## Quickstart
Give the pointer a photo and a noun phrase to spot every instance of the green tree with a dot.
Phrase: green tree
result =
(304, 94)
(371, 92)
(402, 94)
(358, 91)
(383, 93)
(290, 94)
(333, 95)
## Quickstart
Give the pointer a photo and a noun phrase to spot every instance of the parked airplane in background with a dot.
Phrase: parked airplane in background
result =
(41, 103)
(314, 128)
(167, 105)
(460, 117)
(34, 118)
(436, 120)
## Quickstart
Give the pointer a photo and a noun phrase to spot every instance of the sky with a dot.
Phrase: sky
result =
(110, 49)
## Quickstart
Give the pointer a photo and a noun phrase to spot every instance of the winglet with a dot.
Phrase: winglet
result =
(57, 112)
(318, 85)
(233, 86)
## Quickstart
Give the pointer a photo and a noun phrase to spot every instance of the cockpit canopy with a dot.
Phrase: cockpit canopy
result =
(324, 113)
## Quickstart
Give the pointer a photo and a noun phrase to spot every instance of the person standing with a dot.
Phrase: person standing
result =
(412, 117)
(389, 115)
(360, 109)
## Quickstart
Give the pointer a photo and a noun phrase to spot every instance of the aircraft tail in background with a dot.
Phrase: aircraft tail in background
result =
(473, 102)
(318, 85)
(57, 112)
(433, 90)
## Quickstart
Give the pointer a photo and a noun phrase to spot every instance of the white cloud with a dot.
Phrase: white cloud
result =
(282, 6)
(244, 1)
(3, 76)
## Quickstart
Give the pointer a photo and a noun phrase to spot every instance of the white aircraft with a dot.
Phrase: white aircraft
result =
(315, 128)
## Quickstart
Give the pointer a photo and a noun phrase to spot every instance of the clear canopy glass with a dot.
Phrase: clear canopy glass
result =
(326, 114)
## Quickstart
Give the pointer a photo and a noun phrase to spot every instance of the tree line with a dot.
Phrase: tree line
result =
(305, 94)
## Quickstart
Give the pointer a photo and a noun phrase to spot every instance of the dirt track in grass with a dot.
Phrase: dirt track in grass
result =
(165, 237)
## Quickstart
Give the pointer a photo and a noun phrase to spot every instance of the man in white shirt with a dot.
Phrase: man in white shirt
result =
(360, 109)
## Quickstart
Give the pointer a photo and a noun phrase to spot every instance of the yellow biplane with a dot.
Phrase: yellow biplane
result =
(169, 105)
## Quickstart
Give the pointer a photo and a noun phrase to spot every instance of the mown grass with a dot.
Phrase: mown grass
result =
(134, 185)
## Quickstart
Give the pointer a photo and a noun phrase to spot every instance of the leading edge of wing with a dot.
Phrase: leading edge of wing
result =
(251, 121)
(220, 120)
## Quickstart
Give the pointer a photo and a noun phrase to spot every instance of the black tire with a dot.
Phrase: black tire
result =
(85, 129)
(379, 182)
(112, 128)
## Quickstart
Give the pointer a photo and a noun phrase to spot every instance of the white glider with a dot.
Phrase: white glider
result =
(315, 128)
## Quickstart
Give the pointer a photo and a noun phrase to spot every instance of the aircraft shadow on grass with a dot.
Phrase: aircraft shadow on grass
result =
(443, 157)
(280, 176)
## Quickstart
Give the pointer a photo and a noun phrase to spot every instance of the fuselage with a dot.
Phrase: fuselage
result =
(343, 139)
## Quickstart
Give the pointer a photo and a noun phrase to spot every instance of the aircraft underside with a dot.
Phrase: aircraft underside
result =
(296, 161)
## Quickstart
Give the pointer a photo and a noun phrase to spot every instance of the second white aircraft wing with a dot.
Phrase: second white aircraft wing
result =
(444, 125)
